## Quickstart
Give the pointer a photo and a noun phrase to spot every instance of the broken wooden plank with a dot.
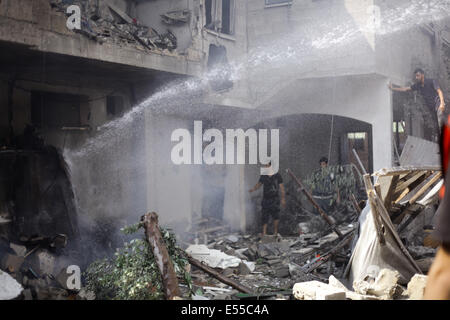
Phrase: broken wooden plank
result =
(433, 193)
(436, 176)
(314, 203)
(355, 204)
(404, 184)
(390, 193)
(162, 258)
(218, 276)
(405, 200)
(404, 170)
(402, 195)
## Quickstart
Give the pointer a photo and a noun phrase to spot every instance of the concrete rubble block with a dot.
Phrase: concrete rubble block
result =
(244, 269)
(264, 251)
(332, 281)
(250, 265)
(416, 287)
(315, 290)
(385, 285)
(18, 249)
(9, 287)
(11, 263)
(282, 271)
(45, 262)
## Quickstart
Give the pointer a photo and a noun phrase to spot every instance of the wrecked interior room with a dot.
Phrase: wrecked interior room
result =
(224, 149)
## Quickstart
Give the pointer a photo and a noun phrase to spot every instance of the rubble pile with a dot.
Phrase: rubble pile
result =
(269, 266)
(112, 25)
(37, 269)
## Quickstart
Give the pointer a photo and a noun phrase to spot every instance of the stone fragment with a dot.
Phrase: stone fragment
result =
(416, 287)
(282, 272)
(315, 290)
(332, 281)
(385, 285)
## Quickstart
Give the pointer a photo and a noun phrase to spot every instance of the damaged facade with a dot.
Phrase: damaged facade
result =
(96, 107)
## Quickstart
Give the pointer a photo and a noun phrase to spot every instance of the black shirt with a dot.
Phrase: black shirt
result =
(429, 93)
(271, 185)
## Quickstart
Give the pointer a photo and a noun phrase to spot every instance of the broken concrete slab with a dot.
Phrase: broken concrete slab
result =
(212, 257)
(315, 290)
(416, 287)
(9, 287)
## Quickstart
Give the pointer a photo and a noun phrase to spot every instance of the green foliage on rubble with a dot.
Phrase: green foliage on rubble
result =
(132, 274)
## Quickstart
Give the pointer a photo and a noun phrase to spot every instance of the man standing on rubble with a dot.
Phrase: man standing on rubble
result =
(432, 94)
(272, 185)
(323, 186)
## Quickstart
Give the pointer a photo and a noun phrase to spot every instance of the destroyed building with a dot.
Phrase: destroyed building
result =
(96, 107)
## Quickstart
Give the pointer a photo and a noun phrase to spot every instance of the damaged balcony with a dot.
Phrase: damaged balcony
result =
(115, 37)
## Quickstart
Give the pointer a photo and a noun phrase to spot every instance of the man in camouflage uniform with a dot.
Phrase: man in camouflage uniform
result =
(323, 187)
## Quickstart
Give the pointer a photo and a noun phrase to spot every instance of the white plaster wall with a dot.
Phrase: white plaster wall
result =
(364, 98)
(170, 188)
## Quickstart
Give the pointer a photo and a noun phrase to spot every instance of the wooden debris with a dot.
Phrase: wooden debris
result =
(218, 276)
(314, 203)
(162, 258)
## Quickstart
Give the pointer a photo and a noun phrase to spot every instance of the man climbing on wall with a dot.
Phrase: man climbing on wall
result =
(272, 187)
(432, 94)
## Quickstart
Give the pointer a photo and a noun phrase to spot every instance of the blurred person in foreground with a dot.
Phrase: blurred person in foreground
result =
(438, 283)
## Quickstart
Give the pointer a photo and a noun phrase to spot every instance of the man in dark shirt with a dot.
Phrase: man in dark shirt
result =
(272, 183)
(432, 94)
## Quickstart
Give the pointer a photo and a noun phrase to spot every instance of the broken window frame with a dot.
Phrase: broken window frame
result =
(217, 15)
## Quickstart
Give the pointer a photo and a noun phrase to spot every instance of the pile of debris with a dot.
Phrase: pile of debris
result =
(37, 269)
(394, 246)
(117, 27)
